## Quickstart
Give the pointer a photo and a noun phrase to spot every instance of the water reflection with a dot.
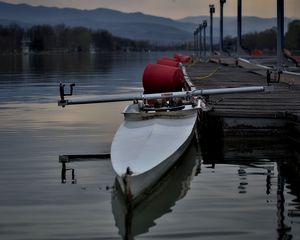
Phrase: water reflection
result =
(246, 189)
(133, 220)
(264, 168)
(275, 158)
(35, 77)
(288, 182)
(85, 63)
(64, 171)
(57, 63)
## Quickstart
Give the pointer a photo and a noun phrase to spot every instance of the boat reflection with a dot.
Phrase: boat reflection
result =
(137, 218)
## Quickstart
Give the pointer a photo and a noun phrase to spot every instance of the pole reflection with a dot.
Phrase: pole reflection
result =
(268, 156)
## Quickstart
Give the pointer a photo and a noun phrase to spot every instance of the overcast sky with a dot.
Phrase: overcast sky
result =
(175, 8)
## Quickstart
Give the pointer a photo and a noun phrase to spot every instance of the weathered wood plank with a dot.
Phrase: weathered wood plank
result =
(282, 103)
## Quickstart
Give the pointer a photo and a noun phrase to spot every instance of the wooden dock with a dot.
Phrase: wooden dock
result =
(251, 113)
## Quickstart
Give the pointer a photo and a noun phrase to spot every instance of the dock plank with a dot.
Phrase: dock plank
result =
(284, 101)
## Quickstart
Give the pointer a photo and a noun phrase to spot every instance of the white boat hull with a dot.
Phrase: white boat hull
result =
(147, 145)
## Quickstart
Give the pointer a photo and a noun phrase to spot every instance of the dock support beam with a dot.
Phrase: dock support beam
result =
(239, 28)
(200, 39)
(280, 33)
(204, 24)
(195, 42)
(211, 11)
(222, 2)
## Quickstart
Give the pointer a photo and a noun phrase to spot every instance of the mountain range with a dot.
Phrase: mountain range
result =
(136, 25)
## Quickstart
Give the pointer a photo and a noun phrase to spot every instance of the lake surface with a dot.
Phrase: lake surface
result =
(241, 189)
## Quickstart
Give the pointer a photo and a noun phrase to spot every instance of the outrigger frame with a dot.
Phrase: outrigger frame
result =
(168, 95)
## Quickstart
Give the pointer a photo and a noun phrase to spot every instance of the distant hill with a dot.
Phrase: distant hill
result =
(130, 25)
(136, 26)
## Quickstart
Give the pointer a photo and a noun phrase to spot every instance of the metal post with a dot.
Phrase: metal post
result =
(222, 2)
(195, 42)
(198, 44)
(212, 11)
(200, 39)
(239, 28)
(280, 33)
(204, 24)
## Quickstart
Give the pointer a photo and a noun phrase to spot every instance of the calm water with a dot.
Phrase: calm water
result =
(244, 189)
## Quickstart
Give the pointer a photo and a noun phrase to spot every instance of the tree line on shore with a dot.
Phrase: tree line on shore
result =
(266, 41)
(61, 38)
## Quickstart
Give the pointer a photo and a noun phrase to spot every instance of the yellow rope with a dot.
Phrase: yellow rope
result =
(207, 76)
(193, 63)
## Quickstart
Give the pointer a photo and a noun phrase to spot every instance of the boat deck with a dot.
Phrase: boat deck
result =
(252, 111)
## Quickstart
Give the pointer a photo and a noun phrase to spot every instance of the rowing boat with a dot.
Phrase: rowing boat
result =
(148, 143)
(153, 135)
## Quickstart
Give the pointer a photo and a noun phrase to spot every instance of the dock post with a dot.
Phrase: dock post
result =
(239, 28)
(222, 2)
(204, 24)
(200, 39)
(280, 33)
(211, 11)
(195, 43)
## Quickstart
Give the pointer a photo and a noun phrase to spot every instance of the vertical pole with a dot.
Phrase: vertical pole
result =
(63, 172)
(280, 33)
(197, 41)
(194, 45)
(200, 39)
(212, 11)
(239, 28)
(204, 37)
(221, 23)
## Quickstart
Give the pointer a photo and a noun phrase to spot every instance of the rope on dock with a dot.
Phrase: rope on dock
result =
(209, 75)
(193, 63)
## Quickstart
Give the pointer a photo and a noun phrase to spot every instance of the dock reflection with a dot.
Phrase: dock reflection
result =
(264, 172)
(274, 157)
(133, 220)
